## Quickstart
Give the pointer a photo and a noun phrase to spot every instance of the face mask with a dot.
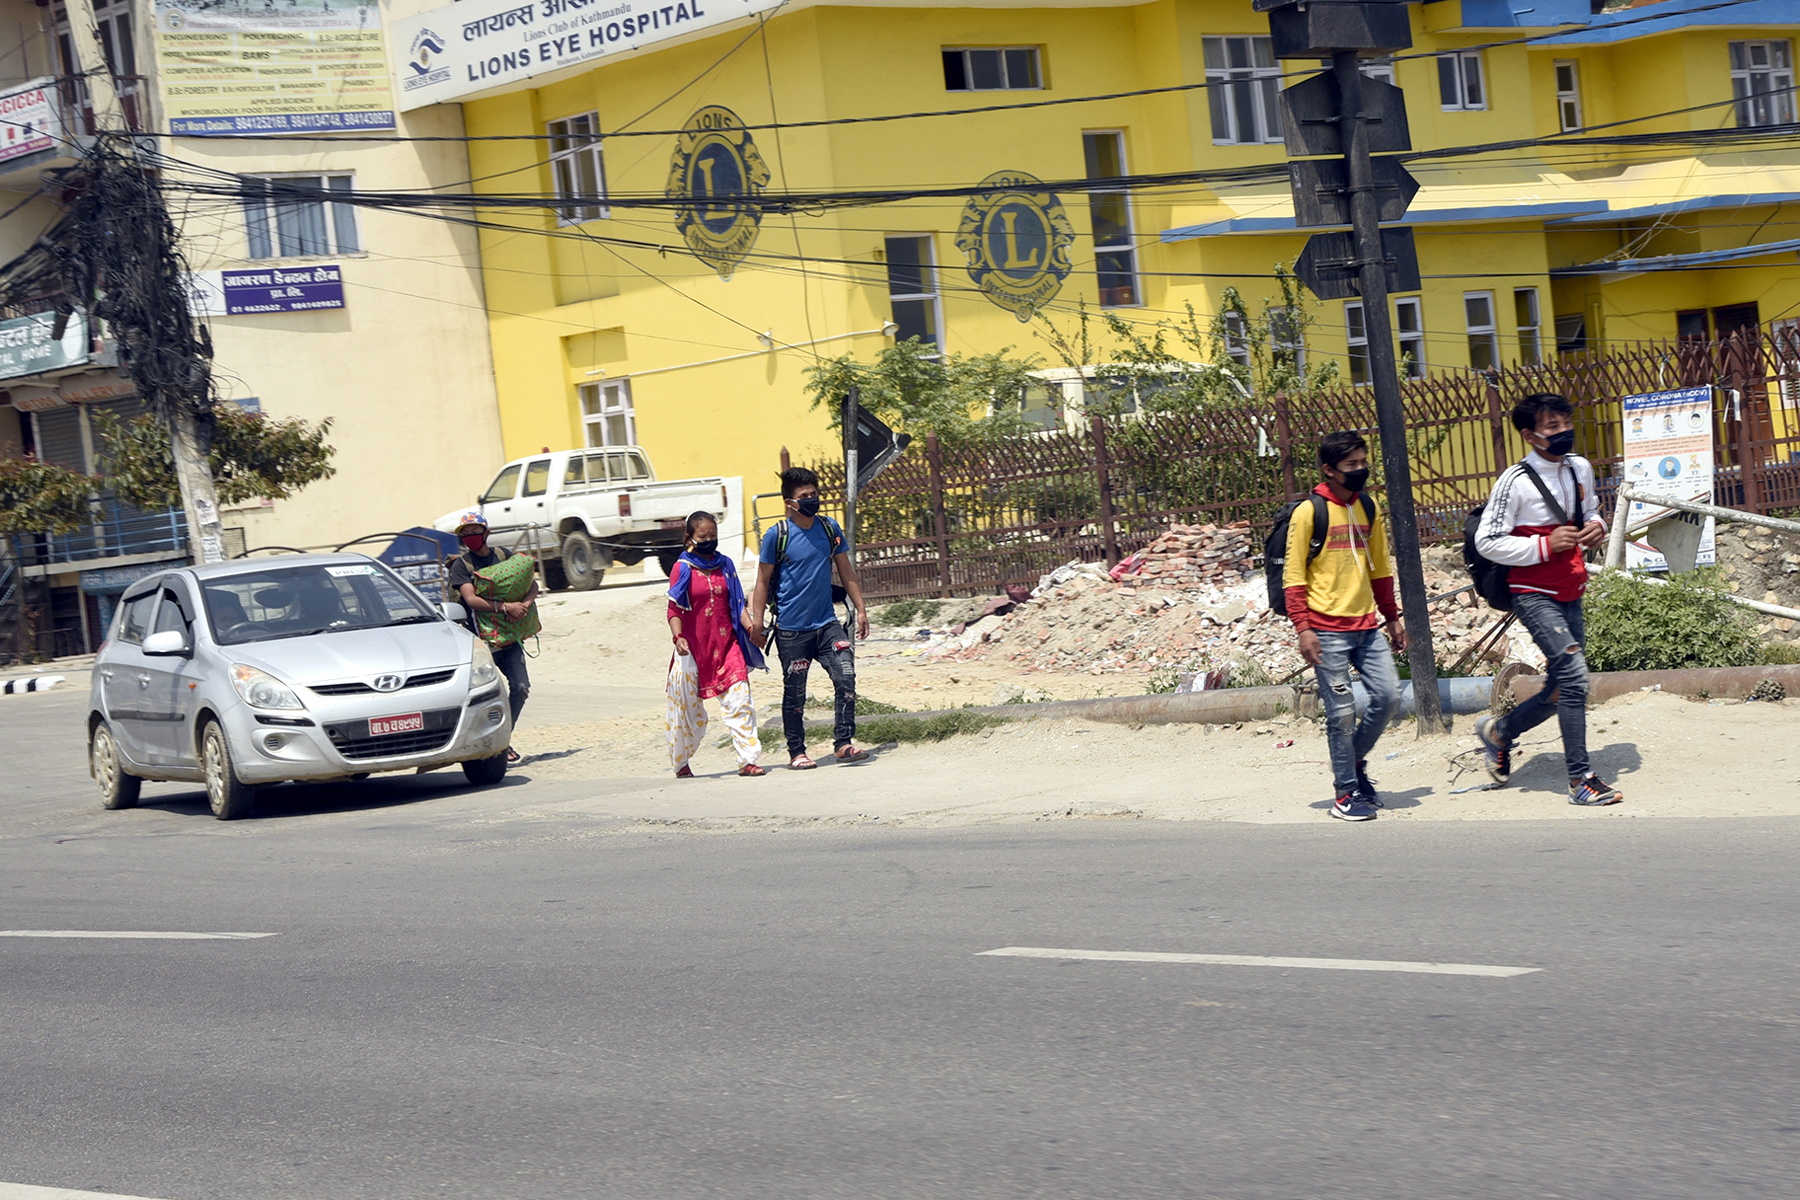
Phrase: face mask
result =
(707, 548)
(475, 541)
(1560, 443)
(1355, 481)
(807, 506)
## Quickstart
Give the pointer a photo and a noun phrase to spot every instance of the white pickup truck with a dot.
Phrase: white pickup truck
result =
(580, 511)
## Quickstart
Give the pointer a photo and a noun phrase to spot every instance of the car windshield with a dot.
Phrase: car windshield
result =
(283, 602)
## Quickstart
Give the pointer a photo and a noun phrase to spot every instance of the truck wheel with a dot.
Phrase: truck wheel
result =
(227, 795)
(117, 789)
(554, 577)
(485, 772)
(666, 559)
(581, 564)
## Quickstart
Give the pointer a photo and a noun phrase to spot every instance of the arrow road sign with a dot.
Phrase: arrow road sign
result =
(1322, 190)
(1329, 267)
(1310, 111)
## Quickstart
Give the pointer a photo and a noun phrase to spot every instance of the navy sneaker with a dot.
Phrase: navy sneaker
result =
(1496, 754)
(1593, 792)
(1365, 785)
(1353, 806)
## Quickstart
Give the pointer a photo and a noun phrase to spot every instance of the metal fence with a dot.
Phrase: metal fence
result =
(946, 520)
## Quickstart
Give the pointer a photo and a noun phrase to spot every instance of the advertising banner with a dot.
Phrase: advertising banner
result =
(284, 66)
(1669, 447)
(245, 291)
(28, 347)
(28, 120)
(478, 45)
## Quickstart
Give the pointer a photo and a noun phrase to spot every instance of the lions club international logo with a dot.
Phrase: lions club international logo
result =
(717, 169)
(1016, 235)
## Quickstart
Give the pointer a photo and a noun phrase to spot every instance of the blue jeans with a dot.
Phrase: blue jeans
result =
(511, 661)
(1556, 626)
(1351, 738)
(832, 649)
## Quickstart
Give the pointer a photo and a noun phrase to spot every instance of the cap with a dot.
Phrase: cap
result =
(470, 520)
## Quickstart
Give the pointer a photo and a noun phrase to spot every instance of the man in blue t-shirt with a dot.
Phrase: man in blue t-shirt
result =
(806, 625)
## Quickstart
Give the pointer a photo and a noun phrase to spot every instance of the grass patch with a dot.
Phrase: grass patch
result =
(865, 707)
(910, 612)
(1779, 654)
(925, 729)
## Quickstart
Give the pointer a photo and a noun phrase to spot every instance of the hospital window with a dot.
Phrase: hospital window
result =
(1008, 69)
(1409, 331)
(1242, 79)
(1762, 82)
(578, 168)
(1484, 335)
(606, 413)
(1356, 338)
(1460, 86)
(913, 290)
(1568, 95)
(1525, 311)
(1115, 254)
(287, 216)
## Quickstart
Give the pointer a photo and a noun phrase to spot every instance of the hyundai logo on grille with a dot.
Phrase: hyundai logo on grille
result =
(387, 683)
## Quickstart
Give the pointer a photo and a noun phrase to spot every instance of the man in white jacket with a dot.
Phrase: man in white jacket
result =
(1543, 513)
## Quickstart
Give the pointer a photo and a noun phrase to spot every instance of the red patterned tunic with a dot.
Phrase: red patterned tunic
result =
(707, 627)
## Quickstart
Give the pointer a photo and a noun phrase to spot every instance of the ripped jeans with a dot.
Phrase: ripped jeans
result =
(1556, 626)
(1350, 737)
(830, 646)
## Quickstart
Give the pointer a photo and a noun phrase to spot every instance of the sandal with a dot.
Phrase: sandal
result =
(512, 756)
(685, 772)
(751, 769)
(801, 763)
(848, 753)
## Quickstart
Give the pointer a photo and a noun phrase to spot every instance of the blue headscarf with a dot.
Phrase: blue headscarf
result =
(681, 585)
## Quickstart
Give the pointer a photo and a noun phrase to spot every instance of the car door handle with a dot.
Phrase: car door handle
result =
(106, 674)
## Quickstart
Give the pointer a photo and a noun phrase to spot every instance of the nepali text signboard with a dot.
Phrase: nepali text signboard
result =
(29, 120)
(300, 67)
(29, 345)
(248, 291)
(479, 45)
(1669, 448)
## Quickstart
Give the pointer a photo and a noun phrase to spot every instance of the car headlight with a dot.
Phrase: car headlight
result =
(261, 689)
(482, 670)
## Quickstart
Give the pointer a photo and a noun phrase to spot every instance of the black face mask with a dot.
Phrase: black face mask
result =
(1560, 443)
(707, 548)
(1355, 481)
(807, 506)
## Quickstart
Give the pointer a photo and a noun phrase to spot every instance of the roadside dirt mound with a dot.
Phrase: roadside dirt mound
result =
(1764, 565)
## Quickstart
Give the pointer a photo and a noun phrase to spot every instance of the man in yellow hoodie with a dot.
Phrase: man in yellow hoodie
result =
(1333, 599)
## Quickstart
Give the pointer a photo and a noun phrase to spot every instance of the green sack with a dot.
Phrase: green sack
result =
(506, 582)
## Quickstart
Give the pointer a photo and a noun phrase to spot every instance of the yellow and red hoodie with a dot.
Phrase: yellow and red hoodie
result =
(1353, 577)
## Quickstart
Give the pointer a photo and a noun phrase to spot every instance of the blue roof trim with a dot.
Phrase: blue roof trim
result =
(1485, 214)
(1613, 27)
(1678, 262)
(1692, 204)
(1530, 14)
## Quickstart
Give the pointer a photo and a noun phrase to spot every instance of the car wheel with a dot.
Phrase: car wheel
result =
(581, 564)
(227, 795)
(555, 578)
(117, 789)
(485, 772)
(666, 559)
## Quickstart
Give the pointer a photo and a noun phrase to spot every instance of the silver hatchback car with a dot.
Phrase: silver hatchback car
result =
(303, 667)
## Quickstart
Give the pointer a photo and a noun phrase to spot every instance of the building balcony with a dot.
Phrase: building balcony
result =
(119, 532)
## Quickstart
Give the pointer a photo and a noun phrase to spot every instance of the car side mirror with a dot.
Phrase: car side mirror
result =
(169, 643)
(454, 611)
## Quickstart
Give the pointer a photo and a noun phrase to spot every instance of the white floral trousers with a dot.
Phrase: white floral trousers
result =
(687, 722)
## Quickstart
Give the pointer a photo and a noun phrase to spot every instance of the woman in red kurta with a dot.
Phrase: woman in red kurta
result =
(713, 654)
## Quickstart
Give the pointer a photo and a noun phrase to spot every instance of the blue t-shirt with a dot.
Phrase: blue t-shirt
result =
(803, 591)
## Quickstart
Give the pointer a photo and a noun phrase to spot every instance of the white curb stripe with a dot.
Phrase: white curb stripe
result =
(151, 934)
(1253, 960)
(25, 1191)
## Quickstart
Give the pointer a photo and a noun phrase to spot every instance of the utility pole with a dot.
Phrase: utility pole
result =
(1345, 113)
(163, 353)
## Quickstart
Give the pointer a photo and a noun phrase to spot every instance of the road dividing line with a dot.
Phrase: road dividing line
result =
(1254, 960)
(25, 1191)
(150, 934)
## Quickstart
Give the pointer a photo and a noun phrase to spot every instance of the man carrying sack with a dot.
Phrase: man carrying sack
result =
(500, 589)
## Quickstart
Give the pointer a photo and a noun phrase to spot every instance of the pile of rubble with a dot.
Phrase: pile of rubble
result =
(1193, 556)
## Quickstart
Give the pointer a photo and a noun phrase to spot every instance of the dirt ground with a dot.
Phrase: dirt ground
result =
(596, 715)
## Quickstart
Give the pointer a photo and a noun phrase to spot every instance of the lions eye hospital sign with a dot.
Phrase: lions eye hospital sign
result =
(478, 45)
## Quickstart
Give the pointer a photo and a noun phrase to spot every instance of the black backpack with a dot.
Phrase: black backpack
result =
(1275, 548)
(1491, 578)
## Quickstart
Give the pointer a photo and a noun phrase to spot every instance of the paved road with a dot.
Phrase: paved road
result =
(554, 1007)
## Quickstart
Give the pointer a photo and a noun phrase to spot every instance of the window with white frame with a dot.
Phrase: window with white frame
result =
(606, 413)
(1287, 340)
(1005, 69)
(1115, 253)
(1460, 85)
(296, 216)
(118, 45)
(1762, 81)
(1409, 332)
(1372, 68)
(913, 290)
(578, 168)
(1530, 325)
(1568, 95)
(1484, 334)
(1242, 80)
(1356, 340)
(1235, 328)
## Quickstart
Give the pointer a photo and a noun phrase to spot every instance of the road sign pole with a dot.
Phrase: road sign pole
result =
(851, 405)
(1384, 374)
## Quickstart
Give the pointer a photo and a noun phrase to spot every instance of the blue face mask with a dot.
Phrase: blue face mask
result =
(1560, 443)
(807, 506)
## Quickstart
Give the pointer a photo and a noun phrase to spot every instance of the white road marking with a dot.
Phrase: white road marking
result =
(151, 934)
(25, 1191)
(1254, 960)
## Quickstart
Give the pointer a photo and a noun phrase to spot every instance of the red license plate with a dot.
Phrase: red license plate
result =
(673, 523)
(405, 723)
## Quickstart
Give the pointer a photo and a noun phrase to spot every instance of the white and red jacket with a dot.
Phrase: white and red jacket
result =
(1516, 526)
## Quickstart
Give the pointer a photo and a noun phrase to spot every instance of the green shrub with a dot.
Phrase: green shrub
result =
(910, 612)
(903, 729)
(865, 707)
(1779, 654)
(1636, 625)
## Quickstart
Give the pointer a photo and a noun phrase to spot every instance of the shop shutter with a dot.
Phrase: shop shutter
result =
(58, 432)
